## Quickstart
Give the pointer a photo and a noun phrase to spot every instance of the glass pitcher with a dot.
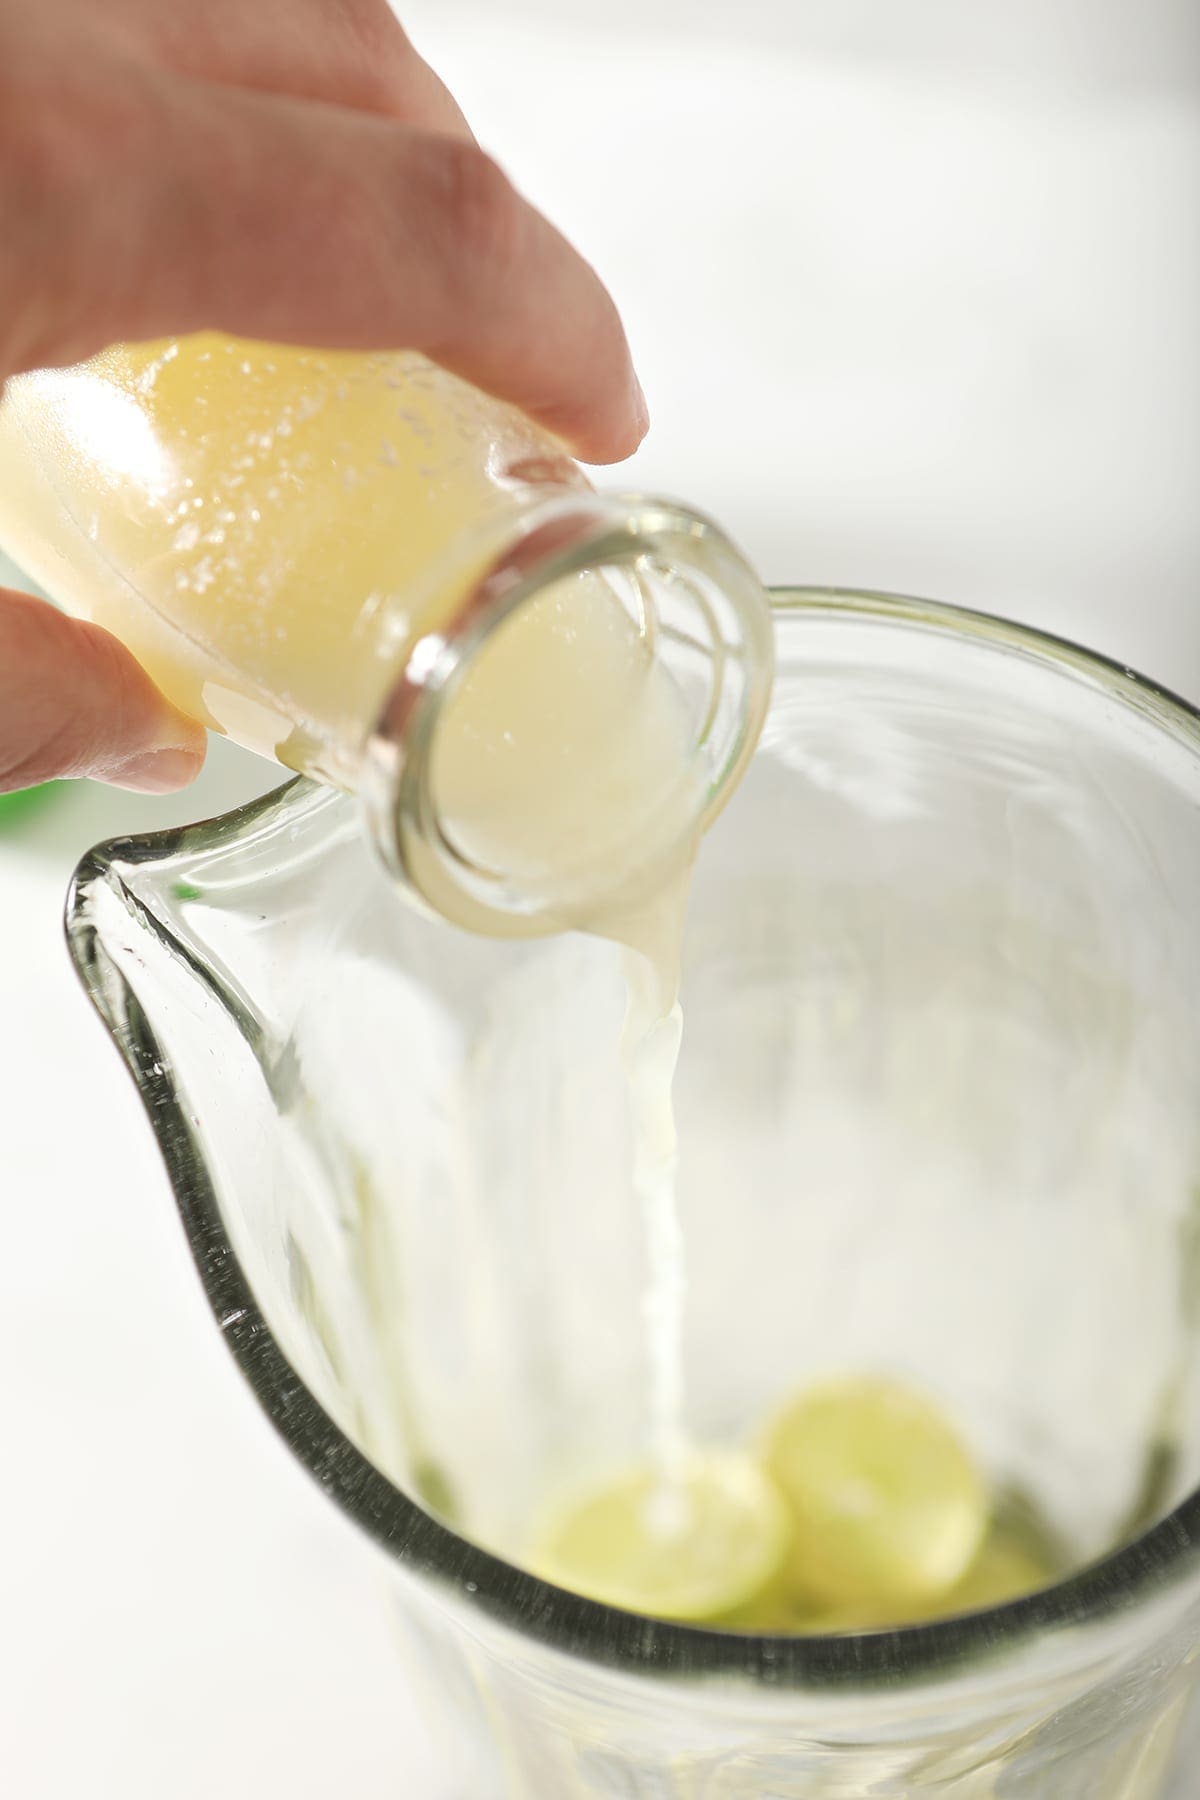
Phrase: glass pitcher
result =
(316, 553)
(937, 1103)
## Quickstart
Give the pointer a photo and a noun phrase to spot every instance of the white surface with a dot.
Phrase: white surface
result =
(183, 1614)
(917, 303)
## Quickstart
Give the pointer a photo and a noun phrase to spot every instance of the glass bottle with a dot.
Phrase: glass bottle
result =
(311, 552)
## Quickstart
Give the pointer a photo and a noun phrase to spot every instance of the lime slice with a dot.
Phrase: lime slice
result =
(887, 1505)
(695, 1547)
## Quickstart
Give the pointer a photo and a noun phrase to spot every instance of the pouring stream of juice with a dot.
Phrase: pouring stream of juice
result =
(579, 678)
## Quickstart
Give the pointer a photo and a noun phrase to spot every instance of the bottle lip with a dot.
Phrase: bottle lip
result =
(563, 537)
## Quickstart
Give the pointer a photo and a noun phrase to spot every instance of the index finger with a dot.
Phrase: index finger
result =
(290, 220)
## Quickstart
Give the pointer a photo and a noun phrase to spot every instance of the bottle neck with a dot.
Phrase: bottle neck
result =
(559, 746)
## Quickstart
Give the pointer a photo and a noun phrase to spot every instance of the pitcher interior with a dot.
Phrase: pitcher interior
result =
(936, 1099)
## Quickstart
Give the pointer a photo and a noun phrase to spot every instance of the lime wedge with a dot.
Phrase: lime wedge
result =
(694, 1547)
(887, 1505)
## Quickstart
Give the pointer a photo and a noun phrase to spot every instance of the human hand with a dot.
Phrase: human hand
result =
(289, 170)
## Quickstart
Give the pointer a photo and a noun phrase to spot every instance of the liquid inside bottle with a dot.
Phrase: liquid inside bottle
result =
(312, 552)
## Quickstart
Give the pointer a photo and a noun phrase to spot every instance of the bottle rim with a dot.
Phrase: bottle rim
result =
(673, 557)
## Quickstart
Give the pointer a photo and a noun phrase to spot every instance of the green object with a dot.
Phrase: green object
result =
(16, 808)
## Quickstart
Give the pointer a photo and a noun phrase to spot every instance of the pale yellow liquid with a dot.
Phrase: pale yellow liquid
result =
(266, 528)
(571, 672)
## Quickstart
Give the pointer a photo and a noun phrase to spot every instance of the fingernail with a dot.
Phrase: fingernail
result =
(640, 407)
(156, 771)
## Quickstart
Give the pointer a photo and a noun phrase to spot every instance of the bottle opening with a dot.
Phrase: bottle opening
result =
(567, 740)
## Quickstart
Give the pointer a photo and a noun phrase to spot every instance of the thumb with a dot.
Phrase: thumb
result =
(74, 702)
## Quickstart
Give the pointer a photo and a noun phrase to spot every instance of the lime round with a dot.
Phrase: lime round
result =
(693, 1547)
(887, 1505)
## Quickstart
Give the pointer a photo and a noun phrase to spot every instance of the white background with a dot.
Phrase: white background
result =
(915, 290)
